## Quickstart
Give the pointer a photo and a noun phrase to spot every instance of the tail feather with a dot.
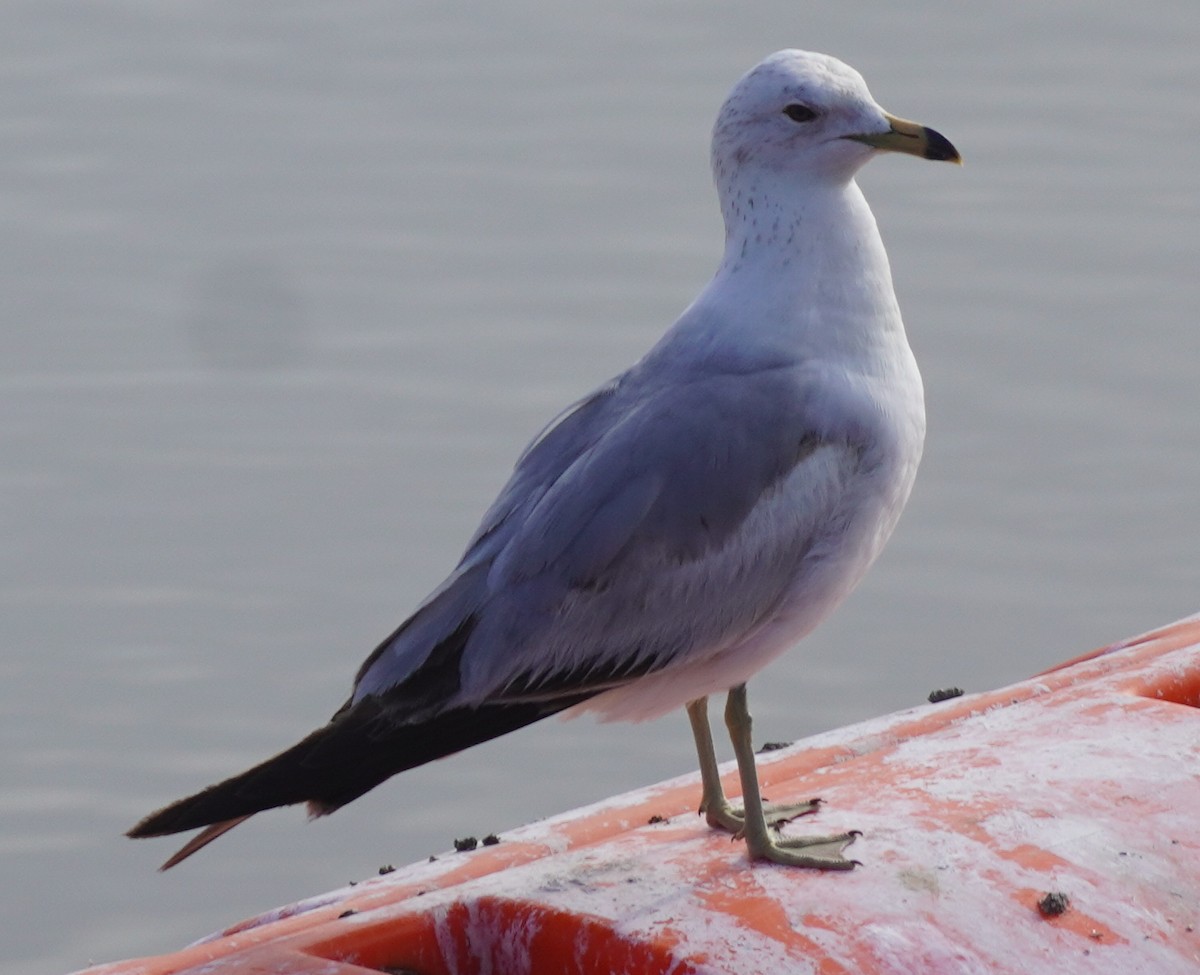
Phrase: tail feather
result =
(361, 747)
(201, 840)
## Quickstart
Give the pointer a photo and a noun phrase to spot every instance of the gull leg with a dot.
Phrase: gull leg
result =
(715, 808)
(713, 805)
(818, 852)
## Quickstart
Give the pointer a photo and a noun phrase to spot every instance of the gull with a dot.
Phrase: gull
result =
(683, 525)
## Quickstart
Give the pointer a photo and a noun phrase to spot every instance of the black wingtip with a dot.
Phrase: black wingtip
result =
(336, 764)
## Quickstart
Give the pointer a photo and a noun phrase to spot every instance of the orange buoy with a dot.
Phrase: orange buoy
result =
(1050, 826)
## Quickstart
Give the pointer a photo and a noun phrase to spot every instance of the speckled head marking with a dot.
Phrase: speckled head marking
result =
(829, 100)
(799, 120)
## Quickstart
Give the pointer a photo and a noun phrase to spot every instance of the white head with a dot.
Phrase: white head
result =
(808, 117)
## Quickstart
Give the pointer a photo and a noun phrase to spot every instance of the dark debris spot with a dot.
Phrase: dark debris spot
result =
(347, 913)
(386, 869)
(491, 839)
(945, 694)
(466, 843)
(773, 746)
(656, 819)
(1054, 904)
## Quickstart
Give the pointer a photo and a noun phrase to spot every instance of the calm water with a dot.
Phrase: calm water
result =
(287, 286)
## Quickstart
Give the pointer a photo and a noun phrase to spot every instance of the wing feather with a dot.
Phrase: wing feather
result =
(646, 528)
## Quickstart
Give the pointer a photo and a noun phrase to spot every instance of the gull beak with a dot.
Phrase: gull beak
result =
(912, 138)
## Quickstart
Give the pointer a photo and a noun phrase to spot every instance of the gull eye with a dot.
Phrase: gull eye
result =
(799, 113)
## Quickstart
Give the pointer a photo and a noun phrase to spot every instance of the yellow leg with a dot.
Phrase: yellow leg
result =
(716, 809)
(817, 852)
(713, 805)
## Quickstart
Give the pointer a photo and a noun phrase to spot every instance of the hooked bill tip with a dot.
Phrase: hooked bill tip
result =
(939, 148)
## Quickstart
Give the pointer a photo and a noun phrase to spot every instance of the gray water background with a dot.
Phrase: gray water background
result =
(286, 287)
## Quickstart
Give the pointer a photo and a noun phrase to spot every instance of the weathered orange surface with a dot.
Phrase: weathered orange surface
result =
(1084, 780)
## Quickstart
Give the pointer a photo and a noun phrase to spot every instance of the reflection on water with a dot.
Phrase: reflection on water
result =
(285, 293)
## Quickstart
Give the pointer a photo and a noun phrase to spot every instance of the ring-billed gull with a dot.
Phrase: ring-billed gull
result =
(673, 532)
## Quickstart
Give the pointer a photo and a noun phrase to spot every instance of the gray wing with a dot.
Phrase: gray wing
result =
(646, 527)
